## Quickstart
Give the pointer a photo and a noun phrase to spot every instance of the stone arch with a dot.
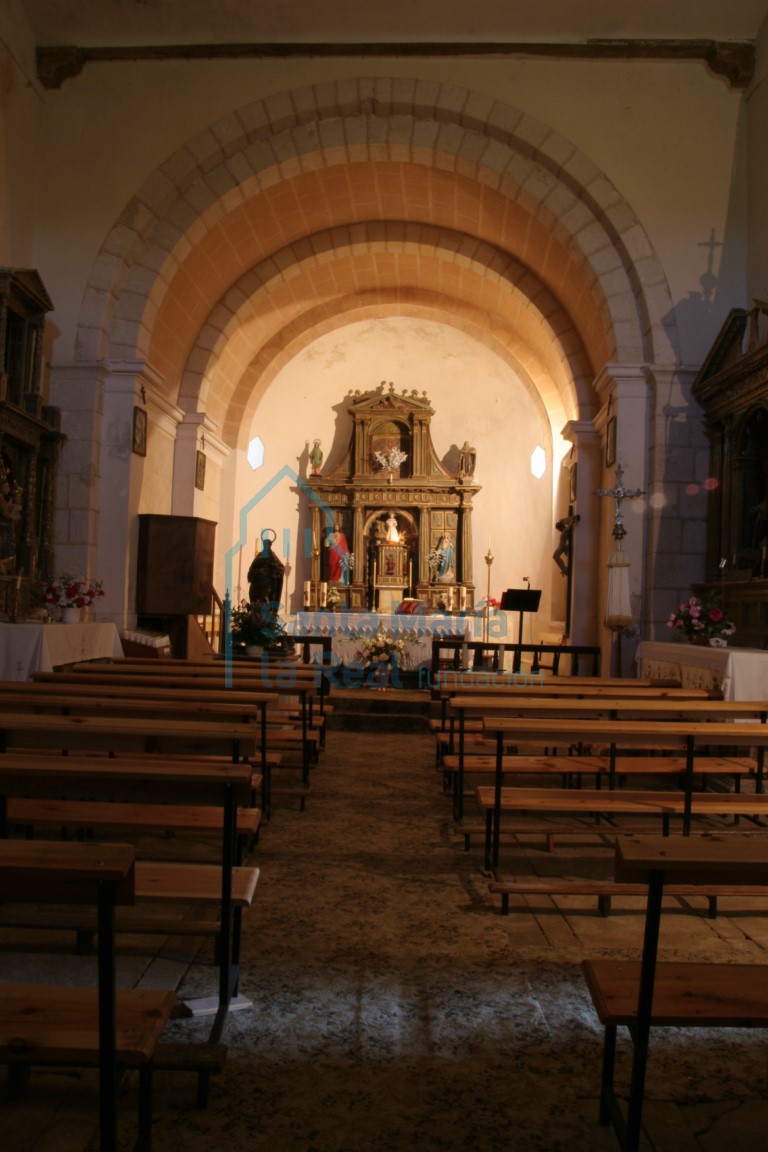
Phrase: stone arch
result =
(566, 366)
(514, 184)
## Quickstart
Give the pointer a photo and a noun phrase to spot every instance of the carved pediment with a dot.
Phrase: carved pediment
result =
(733, 374)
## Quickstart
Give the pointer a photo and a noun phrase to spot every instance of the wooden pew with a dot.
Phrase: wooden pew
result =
(84, 698)
(60, 1025)
(463, 708)
(607, 805)
(686, 737)
(227, 885)
(649, 993)
(605, 889)
(560, 688)
(579, 655)
(306, 741)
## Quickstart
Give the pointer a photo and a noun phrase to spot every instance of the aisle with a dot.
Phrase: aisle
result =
(394, 1009)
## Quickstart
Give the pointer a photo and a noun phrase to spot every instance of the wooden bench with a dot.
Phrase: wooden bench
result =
(646, 994)
(605, 889)
(466, 711)
(688, 737)
(64, 1026)
(572, 768)
(151, 678)
(65, 692)
(604, 804)
(578, 655)
(227, 886)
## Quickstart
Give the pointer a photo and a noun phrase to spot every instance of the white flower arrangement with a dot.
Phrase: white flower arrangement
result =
(382, 646)
(391, 459)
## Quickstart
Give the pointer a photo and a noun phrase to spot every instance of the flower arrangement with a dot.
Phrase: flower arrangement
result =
(68, 591)
(256, 625)
(390, 459)
(382, 646)
(489, 603)
(702, 619)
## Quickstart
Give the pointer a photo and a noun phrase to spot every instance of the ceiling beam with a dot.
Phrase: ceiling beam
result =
(734, 60)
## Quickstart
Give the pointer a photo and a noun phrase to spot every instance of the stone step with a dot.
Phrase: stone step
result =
(366, 709)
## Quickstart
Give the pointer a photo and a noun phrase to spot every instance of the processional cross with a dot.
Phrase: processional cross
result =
(619, 493)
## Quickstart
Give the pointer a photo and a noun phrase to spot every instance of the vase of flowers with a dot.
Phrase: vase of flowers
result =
(256, 628)
(701, 620)
(382, 651)
(71, 594)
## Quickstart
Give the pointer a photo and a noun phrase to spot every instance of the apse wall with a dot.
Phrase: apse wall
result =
(476, 397)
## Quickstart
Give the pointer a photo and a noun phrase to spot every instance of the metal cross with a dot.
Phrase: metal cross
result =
(619, 493)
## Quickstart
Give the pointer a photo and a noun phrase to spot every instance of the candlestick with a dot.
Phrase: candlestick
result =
(486, 613)
(307, 593)
(323, 594)
(462, 599)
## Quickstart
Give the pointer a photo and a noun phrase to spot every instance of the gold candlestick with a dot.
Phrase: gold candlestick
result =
(488, 562)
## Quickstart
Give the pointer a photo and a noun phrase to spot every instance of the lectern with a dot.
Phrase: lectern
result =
(520, 600)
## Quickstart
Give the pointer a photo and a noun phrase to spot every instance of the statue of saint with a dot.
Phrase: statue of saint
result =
(338, 556)
(467, 457)
(446, 559)
(393, 536)
(265, 575)
(316, 458)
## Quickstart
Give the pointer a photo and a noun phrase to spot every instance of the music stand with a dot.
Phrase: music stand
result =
(520, 600)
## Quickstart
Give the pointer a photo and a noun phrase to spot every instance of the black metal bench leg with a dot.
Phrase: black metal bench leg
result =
(144, 1141)
(606, 1079)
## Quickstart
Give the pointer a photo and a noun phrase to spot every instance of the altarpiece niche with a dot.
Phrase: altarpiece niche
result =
(390, 522)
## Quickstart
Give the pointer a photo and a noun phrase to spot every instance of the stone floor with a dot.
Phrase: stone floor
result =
(393, 1008)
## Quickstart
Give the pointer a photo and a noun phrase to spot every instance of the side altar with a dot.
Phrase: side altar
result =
(390, 521)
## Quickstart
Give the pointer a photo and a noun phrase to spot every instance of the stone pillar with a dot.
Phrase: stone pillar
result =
(78, 391)
(625, 393)
(585, 548)
(125, 476)
(197, 434)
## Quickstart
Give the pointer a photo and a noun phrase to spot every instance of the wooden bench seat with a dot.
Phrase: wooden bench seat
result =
(81, 814)
(191, 886)
(604, 890)
(46, 1025)
(574, 767)
(43, 1024)
(603, 803)
(647, 993)
(685, 994)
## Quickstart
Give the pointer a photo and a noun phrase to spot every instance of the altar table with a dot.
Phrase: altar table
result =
(741, 673)
(346, 629)
(28, 648)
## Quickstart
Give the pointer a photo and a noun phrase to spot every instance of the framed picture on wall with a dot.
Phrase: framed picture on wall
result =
(610, 442)
(200, 470)
(139, 445)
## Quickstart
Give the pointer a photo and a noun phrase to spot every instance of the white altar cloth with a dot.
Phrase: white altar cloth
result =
(346, 628)
(741, 673)
(27, 648)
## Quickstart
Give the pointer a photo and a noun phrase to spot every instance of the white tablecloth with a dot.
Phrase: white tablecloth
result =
(27, 648)
(742, 673)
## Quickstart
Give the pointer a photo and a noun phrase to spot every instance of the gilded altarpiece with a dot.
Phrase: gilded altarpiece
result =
(30, 443)
(732, 388)
(390, 521)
